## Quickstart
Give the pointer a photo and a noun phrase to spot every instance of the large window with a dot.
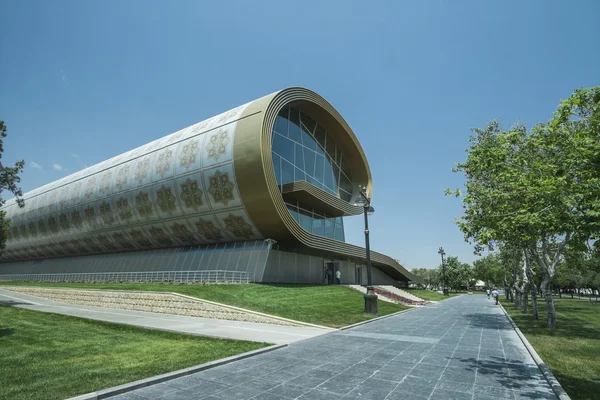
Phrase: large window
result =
(316, 221)
(303, 151)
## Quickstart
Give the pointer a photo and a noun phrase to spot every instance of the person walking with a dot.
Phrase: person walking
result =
(495, 295)
(329, 277)
(488, 293)
(338, 276)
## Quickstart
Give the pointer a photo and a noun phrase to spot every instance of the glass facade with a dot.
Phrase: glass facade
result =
(303, 151)
(316, 221)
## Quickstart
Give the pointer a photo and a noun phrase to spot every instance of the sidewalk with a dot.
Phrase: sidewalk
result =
(257, 332)
(460, 348)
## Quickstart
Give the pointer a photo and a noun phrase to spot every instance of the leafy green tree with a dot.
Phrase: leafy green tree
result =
(9, 179)
(536, 191)
(458, 275)
(490, 270)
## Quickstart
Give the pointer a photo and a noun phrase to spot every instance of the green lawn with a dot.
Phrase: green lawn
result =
(572, 350)
(51, 356)
(333, 306)
(430, 295)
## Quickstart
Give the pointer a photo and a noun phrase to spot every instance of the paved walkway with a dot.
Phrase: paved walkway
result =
(460, 348)
(256, 332)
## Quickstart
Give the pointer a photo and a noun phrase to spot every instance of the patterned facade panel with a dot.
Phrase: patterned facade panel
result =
(164, 196)
(165, 193)
(189, 155)
(218, 146)
(192, 194)
(160, 235)
(125, 208)
(90, 188)
(123, 176)
(238, 225)
(221, 187)
(142, 170)
(140, 238)
(106, 211)
(164, 163)
(122, 239)
(182, 231)
(208, 227)
(145, 210)
(106, 183)
(76, 193)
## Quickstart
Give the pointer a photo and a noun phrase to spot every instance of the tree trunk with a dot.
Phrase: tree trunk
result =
(517, 298)
(549, 302)
(525, 303)
(559, 293)
(534, 307)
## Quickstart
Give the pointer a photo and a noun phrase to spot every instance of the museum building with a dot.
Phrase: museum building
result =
(261, 190)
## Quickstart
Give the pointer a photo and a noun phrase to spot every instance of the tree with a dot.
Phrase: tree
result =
(490, 270)
(9, 179)
(458, 275)
(536, 191)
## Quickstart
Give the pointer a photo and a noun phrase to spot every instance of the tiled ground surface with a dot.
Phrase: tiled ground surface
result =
(461, 348)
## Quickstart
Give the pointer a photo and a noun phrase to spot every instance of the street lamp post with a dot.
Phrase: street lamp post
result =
(442, 253)
(370, 296)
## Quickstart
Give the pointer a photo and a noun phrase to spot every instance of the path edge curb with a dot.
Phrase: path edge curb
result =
(153, 380)
(556, 386)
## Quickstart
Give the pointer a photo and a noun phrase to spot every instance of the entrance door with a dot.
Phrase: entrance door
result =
(329, 270)
(358, 275)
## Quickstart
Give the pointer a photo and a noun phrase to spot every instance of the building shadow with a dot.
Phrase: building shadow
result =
(12, 303)
(6, 332)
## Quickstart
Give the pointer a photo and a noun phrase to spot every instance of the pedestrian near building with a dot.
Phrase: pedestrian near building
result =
(338, 277)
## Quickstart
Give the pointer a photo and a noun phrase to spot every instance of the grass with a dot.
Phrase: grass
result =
(333, 306)
(572, 350)
(430, 295)
(52, 356)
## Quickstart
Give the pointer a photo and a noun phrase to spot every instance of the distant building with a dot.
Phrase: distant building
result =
(260, 189)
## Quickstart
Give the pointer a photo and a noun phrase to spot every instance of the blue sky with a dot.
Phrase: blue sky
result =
(84, 81)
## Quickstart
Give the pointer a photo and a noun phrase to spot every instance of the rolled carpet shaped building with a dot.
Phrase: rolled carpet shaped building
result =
(260, 189)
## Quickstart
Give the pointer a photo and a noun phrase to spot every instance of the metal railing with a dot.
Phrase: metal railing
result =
(208, 276)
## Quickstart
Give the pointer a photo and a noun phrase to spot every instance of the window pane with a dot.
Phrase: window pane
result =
(319, 168)
(345, 168)
(277, 167)
(294, 126)
(330, 146)
(320, 135)
(281, 123)
(299, 158)
(329, 228)
(318, 226)
(299, 175)
(314, 182)
(309, 158)
(284, 147)
(328, 175)
(287, 172)
(345, 196)
(339, 232)
(309, 123)
(345, 184)
(308, 140)
(305, 219)
(294, 211)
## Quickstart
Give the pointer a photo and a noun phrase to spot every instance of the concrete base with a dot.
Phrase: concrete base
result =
(371, 302)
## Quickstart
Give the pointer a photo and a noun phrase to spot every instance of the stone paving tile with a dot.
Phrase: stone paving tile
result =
(462, 348)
